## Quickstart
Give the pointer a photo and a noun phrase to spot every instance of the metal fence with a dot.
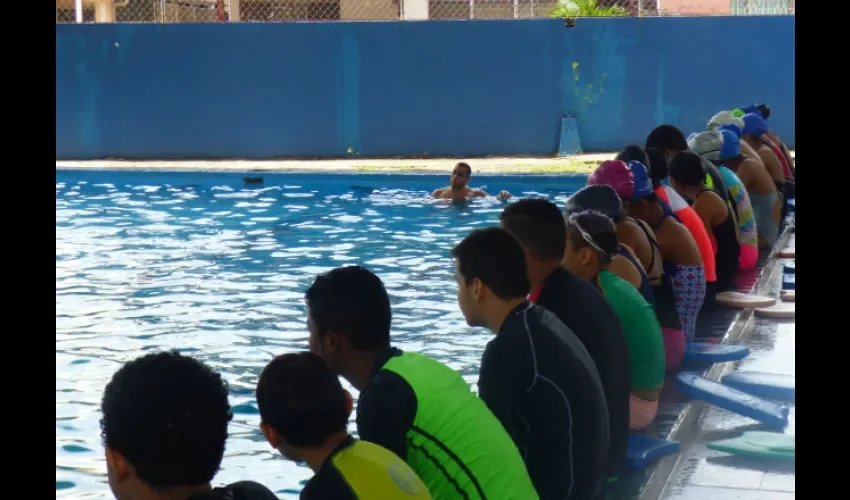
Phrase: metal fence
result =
(209, 11)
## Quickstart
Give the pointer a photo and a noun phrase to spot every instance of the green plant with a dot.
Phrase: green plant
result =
(586, 8)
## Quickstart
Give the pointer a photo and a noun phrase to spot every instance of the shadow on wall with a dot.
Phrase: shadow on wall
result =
(435, 88)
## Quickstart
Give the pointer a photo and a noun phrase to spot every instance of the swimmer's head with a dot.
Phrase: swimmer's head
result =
(538, 226)
(301, 403)
(686, 172)
(591, 243)
(348, 314)
(633, 152)
(754, 127)
(706, 144)
(460, 175)
(667, 139)
(730, 151)
(726, 119)
(600, 198)
(164, 425)
(617, 175)
(657, 166)
(490, 270)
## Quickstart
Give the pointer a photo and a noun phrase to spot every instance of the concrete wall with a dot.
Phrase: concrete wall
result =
(408, 88)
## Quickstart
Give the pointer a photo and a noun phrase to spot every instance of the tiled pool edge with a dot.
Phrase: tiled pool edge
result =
(741, 325)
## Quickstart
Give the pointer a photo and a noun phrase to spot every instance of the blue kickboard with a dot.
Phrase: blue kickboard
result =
(788, 281)
(747, 405)
(790, 267)
(766, 385)
(643, 450)
(715, 353)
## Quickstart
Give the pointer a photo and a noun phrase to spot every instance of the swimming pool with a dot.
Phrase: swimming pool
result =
(216, 267)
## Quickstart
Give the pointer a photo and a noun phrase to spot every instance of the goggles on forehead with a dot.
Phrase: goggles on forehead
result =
(573, 220)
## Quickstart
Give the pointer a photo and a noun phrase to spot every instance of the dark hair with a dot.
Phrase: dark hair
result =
(538, 225)
(466, 166)
(167, 414)
(633, 152)
(302, 399)
(496, 258)
(599, 228)
(657, 166)
(666, 137)
(351, 301)
(599, 197)
(764, 110)
(686, 169)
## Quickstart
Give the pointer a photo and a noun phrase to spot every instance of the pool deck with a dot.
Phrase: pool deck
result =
(577, 164)
(701, 473)
(697, 473)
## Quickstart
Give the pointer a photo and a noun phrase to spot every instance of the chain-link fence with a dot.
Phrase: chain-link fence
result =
(189, 11)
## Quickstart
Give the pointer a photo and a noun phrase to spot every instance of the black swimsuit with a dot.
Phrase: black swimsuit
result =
(665, 300)
(728, 249)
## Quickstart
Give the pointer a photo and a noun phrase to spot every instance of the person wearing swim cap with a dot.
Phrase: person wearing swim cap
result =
(688, 178)
(164, 428)
(753, 134)
(726, 120)
(591, 244)
(764, 198)
(773, 140)
(304, 415)
(680, 254)
(671, 140)
(459, 190)
(536, 376)
(658, 157)
(603, 199)
(716, 146)
(539, 227)
(416, 407)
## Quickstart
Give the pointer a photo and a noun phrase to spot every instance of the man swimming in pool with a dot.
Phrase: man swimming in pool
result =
(536, 376)
(458, 189)
(304, 412)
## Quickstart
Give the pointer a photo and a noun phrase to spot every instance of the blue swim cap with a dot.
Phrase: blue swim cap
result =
(754, 124)
(731, 128)
(643, 184)
(731, 147)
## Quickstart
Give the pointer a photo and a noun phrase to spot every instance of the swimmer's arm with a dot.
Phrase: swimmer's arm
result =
(386, 411)
(501, 383)
(438, 193)
(626, 270)
(774, 168)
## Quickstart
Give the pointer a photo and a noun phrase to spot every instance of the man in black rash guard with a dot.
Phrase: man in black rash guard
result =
(536, 376)
(164, 426)
(540, 229)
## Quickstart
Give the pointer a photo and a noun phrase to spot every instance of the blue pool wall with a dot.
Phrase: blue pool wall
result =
(437, 88)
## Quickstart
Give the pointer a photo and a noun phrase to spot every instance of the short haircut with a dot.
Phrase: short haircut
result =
(302, 399)
(657, 166)
(464, 166)
(633, 152)
(167, 414)
(353, 302)
(538, 225)
(596, 227)
(495, 257)
(686, 169)
(764, 111)
(666, 137)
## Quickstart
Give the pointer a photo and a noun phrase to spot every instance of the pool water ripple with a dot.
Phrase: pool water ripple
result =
(216, 268)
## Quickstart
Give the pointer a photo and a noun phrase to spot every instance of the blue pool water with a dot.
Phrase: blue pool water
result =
(209, 265)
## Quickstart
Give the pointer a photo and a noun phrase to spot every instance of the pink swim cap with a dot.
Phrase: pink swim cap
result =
(617, 175)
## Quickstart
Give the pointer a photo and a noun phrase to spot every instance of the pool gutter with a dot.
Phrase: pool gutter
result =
(685, 429)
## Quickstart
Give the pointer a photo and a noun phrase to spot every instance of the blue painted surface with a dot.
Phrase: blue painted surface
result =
(442, 88)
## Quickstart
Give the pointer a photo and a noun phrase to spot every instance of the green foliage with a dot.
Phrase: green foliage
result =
(586, 8)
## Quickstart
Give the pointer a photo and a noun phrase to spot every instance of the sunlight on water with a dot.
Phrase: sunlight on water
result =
(215, 268)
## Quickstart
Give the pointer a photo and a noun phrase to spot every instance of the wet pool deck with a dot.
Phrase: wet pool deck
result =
(701, 473)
